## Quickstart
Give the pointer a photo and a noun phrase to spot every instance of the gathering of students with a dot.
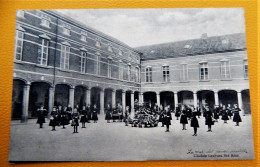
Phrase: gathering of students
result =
(144, 115)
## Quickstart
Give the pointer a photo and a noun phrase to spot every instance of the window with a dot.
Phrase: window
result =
(83, 58)
(18, 44)
(109, 66)
(148, 72)
(45, 21)
(120, 52)
(110, 48)
(44, 52)
(129, 72)
(245, 69)
(204, 75)
(65, 56)
(137, 74)
(98, 44)
(98, 63)
(83, 36)
(225, 69)
(166, 74)
(184, 72)
(66, 29)
(20, 13)
(121, 69)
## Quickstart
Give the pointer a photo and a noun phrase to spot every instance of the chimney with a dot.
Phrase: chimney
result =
(204, 36)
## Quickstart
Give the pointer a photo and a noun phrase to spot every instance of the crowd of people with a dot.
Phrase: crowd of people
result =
(143, 116)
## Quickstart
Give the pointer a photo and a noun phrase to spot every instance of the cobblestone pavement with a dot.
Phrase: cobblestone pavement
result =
(115, 141)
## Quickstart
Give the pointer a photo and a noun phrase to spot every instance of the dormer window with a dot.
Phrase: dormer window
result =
(66, 29)
(110, 48)
(45, 21)
(98, 43)
(83, 36)
(120, 52)
(20, 13)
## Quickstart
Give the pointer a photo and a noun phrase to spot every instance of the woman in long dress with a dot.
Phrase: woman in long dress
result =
(108, 113)
(167, 119)
(236, 117)
(41, 116)
(83, 117)
(194, 121)
(53, 118)
(209, 119)
(184, 119)
(94, 113)
(224, 114)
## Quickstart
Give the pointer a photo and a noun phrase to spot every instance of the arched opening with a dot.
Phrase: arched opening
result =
(61, 96)
(246, 101)
(206, 97)
(128, 99)
(227, 97)
(118, 97)
(149, 98)
(108, 97)
(80, 96)
(39, 95)
(17, 99)
(167, 99)
(186, 97)
(95, 97)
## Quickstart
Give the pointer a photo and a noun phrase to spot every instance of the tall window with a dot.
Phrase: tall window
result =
(137, 74)
(109, 66)
(83, 36)
(98, 44)
(120, 52)
(245, 69)
(110, 48)
(98, 63)
(148, 74)
(184, 72)
(18, 44)
(83, 58)
(129, 72)
(45, 21)
(121, 69)
(166, 74)
(65, 56)
(66, 29)
(44, 52)
(225, 69)
(204, 73)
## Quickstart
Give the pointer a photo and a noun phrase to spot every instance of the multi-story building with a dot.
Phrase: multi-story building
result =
(208, 70)
(59, 61)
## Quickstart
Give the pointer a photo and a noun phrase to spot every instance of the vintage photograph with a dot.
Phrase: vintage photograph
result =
(130, 85)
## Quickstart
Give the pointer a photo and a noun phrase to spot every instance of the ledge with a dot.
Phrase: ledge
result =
(204, 80)
(19, 62)
(42, 66)
(226, 79)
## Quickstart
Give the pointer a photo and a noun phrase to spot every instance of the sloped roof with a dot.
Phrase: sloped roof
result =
(208, 45)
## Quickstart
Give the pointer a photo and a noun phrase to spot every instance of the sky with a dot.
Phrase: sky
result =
(141, 27)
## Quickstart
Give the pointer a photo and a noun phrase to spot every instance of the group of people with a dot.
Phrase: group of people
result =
(146, 116)
(62, 116)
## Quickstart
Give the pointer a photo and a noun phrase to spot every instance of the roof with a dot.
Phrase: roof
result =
(204, 45)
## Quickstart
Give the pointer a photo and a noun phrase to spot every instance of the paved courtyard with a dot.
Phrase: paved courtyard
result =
(115, 141)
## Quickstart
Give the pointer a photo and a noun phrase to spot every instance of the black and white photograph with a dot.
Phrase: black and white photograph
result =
(130, 85)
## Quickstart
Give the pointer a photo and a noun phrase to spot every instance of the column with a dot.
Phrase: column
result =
(87, 95)
(141, 98)
(51, 99)
(240, 102)
(71, 97)
(101, 101)
(26, 92)
(123, 100)
(113, 98)
(195, 99)
(132, 102)
(175, 99)
(158, 99)
(216, 98)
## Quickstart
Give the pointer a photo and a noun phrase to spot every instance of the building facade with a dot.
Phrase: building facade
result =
(59, 61)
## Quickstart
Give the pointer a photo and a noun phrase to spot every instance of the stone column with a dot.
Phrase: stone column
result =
(175, 99)
(51, 100)
(132, 102)
(216, 98)
(113, 98)
(195, 100)
(26, 92)
(158, 99)
(87, 95)
(141, 98)
(71, 97)
(123, 101)
(102, 102)
(240, 102)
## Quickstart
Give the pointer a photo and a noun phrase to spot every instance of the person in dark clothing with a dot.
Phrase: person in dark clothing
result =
(75, 120)
(120, 113)
(189, 112)
(209, 118)
(114, 114)
(108, 113)
(94, 113)
(83, 117)
(64, 120)
(41, 116)
(194, 121)
(236, 117)
(198, 109)
(224, 114)
(53, 118)
(161, 117)
(88, 113)
(178, 111)
(216, 113)
(184, 119)
(167, 119)
(69, 112)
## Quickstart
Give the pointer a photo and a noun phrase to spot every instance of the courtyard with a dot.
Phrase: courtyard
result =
(116, 142)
